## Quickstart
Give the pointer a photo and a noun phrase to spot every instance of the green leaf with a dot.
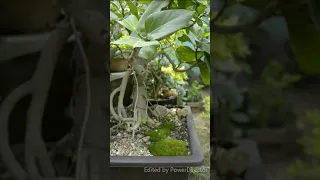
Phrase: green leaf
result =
(184, 38)
(204, 46)
(199, 21)
(147, 52)
(185, 54)
(200, 9)
(113, 16)
(196, 31)
(130, 22)
(185, 3)
(116, 6)
(164, 23)
(207, 59)
(133, 8)
(205, 72)
(145, 1)
(204, 35)
(155, 6)
(135, 42)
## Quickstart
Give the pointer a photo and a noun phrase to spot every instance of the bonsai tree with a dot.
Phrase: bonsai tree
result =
(146, 37)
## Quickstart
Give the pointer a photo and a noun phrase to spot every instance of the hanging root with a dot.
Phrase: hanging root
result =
(5, 150)
(35, 149)
(121, 115)
(38, 86)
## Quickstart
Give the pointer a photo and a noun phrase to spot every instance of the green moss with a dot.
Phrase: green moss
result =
(169, 126)
(158, 134)
(161, 132)
(169, 147)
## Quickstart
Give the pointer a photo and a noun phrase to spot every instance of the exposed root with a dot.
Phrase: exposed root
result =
(121, 110)
(5, 109)
(35, 149)
(88, 103)
(112, 111)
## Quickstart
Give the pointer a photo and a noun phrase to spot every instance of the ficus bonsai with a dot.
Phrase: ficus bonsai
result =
(145, 43)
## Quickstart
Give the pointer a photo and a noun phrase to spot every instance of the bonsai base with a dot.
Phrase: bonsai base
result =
(148, 167)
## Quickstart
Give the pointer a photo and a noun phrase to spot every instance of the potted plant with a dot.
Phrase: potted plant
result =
(162, 139)
(163, 84)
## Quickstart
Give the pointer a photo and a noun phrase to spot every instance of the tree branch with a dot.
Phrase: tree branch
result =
(175, 68)
(267, 12)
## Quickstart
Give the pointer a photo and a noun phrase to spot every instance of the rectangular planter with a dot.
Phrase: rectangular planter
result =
(159, 167)
(197, 105)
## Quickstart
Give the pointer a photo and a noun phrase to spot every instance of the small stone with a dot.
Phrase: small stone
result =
(139, 136)
(146, 139)
(151, 123)
(162, 111)
(182, 112)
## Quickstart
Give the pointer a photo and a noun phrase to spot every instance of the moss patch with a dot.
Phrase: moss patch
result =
(158, 134)
(169, 147)
(169, 126)
(161, 132)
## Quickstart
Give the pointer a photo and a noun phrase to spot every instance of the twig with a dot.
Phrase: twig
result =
(267, 12)
(87, 110)
(174, 66)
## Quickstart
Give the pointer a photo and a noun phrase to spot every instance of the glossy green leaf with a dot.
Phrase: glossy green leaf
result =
(204, 45)
(145, 1)
(204, 35)
(199, 21)
(184, 38)
(205, 72)
(133, 8)
(154, 6)
(200, 8)
(148, 52)
(207, 59)
(185, 3)
(135, 42)
(113, 16)
(185, 54)
(115, 6)
(130, 22)
(164, 23)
